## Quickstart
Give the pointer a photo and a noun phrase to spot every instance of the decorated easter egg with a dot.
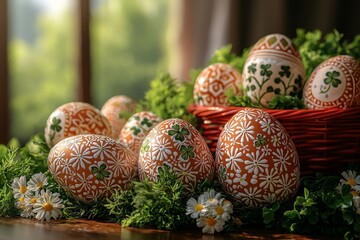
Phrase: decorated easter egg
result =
(256, 160)
(75, 118)
(334, 83)
(90, 166)
(137, 128)
(177, 144)
(273, 67)
(213, 82)
(117, 111)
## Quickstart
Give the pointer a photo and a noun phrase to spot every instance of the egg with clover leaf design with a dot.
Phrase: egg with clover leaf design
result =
(256, 160)
(136, 129)
(90, 166)
(273, 67)
(75, 118)
(177, 144)
(334, 83)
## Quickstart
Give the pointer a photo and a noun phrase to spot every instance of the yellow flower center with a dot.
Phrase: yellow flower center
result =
(351, 182)
(219, 210)
(23, 189)
(354, 193)
(33, 200)
(48, 207)
(199, 207)
(21, 200)
(210, 221)
(40, 184)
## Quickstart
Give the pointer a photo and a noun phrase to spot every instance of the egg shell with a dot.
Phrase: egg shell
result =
(256, 160)
(72, 119)
(137, 128)
(273, 67)
(334, 83)
(90, 166)
(213, 82)
(177, 144)
(117, 111)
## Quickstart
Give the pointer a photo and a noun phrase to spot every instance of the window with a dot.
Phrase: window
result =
(127, 50)
(42, 62)
(128, 46)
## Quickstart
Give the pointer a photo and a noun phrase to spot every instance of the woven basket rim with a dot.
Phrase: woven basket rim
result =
(213, 112)
(193, 107)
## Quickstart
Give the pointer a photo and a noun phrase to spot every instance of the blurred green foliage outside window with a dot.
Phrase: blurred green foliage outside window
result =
(127, 45)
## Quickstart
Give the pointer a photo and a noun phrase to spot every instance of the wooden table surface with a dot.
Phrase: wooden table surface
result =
(80, 229)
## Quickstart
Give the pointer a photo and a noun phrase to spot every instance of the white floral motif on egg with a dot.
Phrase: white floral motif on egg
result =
(179, 145)
(273, 67)
(212, 83)
(116, 110)
(251, 166)
(136, 129)
(73, 119)
(91, 166)
(334, 83)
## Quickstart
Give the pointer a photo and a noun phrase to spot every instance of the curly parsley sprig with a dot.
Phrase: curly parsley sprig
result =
(159, 205)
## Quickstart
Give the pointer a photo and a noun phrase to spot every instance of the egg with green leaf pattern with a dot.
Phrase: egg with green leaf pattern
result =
(91, 166)
(273, 67)
(334, 83)
(256, 159)
(179, 145)
(136, 129)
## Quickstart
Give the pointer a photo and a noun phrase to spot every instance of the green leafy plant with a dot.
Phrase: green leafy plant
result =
(11, 166)
(160, 204)
(120, 205)
(318, 209)
(16, 161)
(314, 47)
(169, 98)
(239, 100)
(225, 55)
(286, 102)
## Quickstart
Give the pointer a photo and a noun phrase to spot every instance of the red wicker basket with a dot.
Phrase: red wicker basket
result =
(326, 140)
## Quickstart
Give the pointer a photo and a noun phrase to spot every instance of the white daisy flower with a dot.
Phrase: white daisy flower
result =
(210, 224)
(356, 200)
(37, 182)
(223, 210)
(27, 211)
(49, 205)
(212, 198)
(352, 179)
(19, 187)
(196, 208)
(27, 208)
(20, 204)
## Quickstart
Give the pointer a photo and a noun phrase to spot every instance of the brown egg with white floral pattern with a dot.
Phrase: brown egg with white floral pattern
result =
(179, 145)
(334, 83)
(117, 111)
(213, 82)
(137, 128)
(256, 160)
(75, 118)
(90, 166)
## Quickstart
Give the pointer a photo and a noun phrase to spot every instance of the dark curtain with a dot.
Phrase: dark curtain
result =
(209, 24)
